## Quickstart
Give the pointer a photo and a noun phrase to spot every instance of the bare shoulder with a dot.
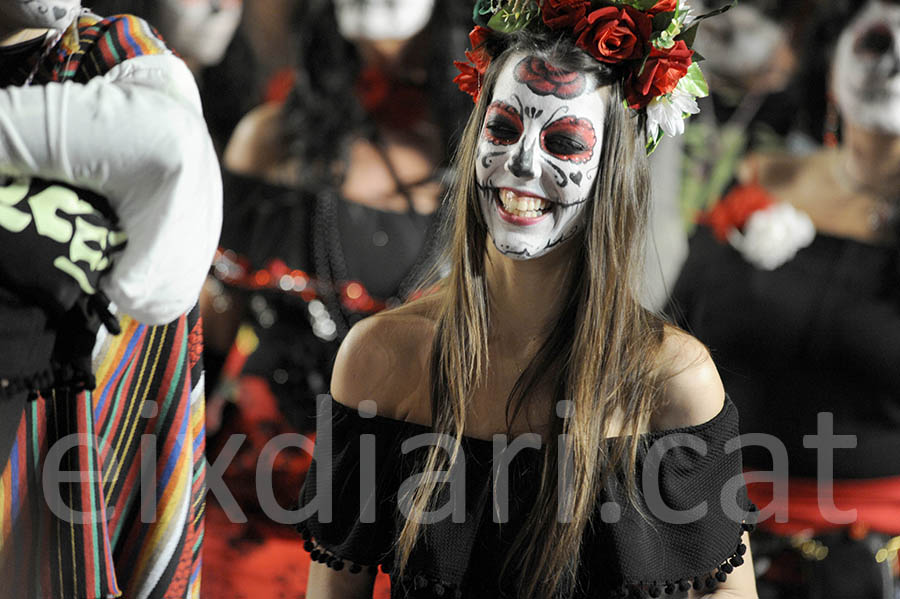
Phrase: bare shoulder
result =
(693, 392)
(772, 170)
(385, 358)
(255, 146)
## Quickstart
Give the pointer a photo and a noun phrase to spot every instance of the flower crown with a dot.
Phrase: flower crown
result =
(652, 39)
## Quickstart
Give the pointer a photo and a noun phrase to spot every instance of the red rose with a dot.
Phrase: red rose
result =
(614, 34)
(662, 71)
(544, 79)
(733, 211)
(664, 6)
(560, 14)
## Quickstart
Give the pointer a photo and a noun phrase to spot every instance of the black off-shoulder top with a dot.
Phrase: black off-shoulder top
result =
(365, 460)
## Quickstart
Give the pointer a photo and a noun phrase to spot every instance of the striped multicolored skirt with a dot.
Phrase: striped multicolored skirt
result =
(103, 492)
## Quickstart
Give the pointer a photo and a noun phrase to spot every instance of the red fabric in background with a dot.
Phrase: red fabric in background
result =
(876, 501)
(259, 559)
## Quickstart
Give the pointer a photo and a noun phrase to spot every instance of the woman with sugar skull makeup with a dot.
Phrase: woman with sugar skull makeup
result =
(794, 280)
(337, 187)
(110, 190)
(536, 334)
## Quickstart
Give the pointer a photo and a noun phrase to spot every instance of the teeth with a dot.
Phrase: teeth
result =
(525, 206)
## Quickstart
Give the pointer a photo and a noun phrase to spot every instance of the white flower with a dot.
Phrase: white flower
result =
(667, 112)
(773, 236)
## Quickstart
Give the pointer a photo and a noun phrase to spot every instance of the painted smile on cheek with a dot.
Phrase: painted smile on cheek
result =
(570, 138)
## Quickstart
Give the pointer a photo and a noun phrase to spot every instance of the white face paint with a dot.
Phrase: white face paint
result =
(382, 19)
(740, 43)
(866, 73)
(38, 14)
(538, 156)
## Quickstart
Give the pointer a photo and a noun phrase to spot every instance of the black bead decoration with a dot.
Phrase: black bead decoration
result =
(439, 590)
(670, 588)
(727, 568)
(710, 582)
(420, 582)
(337, 565)
(721, 576)
(684, 586)
(308, 546)
(742, 549)
(314, 555)
(355, 568)
(654, 591)
(736, 561)
(698, 584)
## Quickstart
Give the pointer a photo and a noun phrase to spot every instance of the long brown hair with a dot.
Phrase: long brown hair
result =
(600, 355)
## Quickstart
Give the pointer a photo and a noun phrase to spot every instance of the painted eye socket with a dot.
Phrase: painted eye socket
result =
(569, 138)
(875, 40)
(502, 125)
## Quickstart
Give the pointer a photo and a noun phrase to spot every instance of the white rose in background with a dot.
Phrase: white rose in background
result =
(773, 236)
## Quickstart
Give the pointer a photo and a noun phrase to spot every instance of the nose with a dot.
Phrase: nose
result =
(523, 162)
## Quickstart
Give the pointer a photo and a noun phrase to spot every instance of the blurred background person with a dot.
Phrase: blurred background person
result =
(750, 68)
(332, 198)
(110, 190)
(793, 282)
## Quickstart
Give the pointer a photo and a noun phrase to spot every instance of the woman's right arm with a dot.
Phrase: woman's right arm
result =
(328, 583)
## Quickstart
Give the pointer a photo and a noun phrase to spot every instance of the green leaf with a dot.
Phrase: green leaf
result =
(694, 82)
(506, 21)
(697, 57)
(652, 141)
(643, 4)
(662, 21)
(689, 34)
(481, 11)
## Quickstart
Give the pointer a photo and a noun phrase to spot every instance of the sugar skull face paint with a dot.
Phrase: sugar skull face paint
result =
(866, 73)
(382, 19)
(538, 156)
(38, 14)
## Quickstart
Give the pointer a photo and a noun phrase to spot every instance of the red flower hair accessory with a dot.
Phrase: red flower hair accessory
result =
(614, 34)
(652, 39)
(472, 72)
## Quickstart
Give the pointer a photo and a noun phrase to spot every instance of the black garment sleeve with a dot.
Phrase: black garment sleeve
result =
(352, 487)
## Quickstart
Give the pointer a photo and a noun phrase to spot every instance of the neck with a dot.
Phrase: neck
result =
(527, 296)
(872, 158)
(10, 38)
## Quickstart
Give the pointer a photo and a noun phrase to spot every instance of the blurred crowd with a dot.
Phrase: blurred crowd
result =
(775, 240)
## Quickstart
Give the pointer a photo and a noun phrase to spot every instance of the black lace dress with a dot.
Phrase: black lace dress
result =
(624, 553)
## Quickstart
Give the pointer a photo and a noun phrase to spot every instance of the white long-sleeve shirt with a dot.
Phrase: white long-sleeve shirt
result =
(135, 135)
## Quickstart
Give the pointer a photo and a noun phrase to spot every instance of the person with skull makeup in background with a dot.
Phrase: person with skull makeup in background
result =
(109, 190)
(331, 199)
(793, 283)
(536, 333)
